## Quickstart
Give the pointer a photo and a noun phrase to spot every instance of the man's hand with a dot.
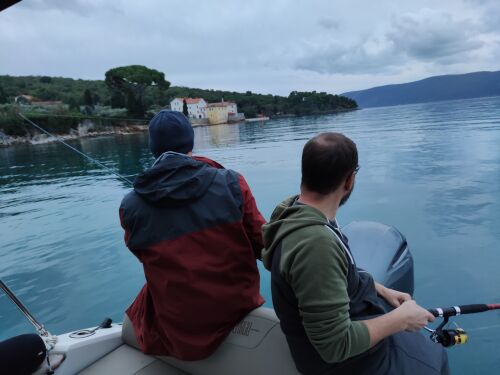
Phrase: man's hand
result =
(393, 297)
(413, 317)
(407, 317)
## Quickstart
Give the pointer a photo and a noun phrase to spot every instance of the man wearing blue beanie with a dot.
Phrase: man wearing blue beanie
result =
(196, 229)
(170, 131)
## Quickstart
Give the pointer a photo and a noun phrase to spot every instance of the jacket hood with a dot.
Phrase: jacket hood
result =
(285, 219)
(175, 180)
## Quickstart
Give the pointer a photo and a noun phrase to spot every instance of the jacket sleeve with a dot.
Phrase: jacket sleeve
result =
(252, 219)
(124, 226)
(318, 277)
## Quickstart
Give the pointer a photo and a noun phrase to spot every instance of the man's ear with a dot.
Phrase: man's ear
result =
(349, 182)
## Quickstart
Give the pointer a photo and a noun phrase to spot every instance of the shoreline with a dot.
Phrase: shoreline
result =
(87, 129)
(40, 138)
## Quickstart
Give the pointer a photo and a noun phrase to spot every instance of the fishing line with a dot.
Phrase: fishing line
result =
(483, 328)
(76, 150)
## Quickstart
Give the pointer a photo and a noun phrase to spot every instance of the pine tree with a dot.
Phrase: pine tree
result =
(132, 82)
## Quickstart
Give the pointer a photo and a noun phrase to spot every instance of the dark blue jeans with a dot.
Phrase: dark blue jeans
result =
(404, 353)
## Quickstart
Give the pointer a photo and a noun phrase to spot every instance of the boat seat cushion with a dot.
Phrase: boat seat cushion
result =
(255, 346)
(128, 333)
(126, 360)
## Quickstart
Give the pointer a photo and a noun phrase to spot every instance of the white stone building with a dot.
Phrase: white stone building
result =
(232, 109)
(197, 107)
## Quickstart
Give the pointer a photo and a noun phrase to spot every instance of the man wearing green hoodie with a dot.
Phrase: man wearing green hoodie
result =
(330, 311)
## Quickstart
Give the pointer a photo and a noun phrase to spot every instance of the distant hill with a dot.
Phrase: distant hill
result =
(447, 87)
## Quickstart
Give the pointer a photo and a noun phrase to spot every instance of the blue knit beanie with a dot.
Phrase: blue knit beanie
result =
(170, 131)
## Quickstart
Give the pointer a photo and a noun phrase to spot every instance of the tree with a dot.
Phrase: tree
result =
(96, 99)
(46, 93)
(185, 108)
(45, 79)
(3, 96)
(132, 81)
(73, 104)
(117, 99)
(88, 100)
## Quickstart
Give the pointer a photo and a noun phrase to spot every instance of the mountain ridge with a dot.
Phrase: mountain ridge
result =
(430, 89)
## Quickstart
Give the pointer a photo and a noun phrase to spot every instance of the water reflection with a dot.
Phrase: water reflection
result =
(224, 135)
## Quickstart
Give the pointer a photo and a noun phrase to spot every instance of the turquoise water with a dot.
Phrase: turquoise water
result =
(431, 170)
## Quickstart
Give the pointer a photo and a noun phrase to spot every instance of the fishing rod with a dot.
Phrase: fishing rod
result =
(462, 310)
(39, 327)
(76, 150)
(49, 340)
(455, 336)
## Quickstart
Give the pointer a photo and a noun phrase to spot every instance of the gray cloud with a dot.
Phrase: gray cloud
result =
(481, 2)
(369, 56)
(82, 7)
(329, 23)
(426, 36)
(490, 16)
(433, 36)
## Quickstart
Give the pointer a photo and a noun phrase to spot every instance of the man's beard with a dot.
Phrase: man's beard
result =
(345, 198)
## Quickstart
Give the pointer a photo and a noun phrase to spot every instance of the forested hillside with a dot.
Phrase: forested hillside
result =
(72, 93)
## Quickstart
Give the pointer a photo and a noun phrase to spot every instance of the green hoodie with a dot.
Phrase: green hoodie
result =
(315, 266)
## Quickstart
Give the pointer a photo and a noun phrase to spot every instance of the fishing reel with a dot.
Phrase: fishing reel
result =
(448, 336)
(455, 336)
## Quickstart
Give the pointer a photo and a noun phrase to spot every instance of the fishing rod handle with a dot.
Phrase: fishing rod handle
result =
(458, 310)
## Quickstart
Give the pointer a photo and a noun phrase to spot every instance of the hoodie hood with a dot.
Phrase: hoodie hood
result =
(286, 218)
(175, 180)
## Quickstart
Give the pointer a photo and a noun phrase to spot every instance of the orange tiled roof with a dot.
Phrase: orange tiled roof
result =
(191, 100)
(27, 97)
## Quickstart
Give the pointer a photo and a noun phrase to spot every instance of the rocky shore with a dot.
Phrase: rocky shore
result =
(85, 129)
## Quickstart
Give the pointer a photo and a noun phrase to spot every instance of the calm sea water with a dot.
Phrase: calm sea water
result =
(431, 170)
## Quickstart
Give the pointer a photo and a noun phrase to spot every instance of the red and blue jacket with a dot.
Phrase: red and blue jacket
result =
(196, 229)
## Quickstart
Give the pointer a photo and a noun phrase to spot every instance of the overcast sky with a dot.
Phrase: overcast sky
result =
(266, 46)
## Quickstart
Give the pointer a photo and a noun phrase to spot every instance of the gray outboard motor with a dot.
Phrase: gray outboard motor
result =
(383, 252)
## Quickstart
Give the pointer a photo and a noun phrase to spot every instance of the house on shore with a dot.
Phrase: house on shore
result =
(223, 112)
(31, 100)
(216, 113)
(23, 99)
(196, 107)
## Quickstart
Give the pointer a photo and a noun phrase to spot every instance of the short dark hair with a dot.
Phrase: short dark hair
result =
(327, 159)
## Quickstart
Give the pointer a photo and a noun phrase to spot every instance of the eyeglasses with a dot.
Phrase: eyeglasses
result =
(356, 169)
